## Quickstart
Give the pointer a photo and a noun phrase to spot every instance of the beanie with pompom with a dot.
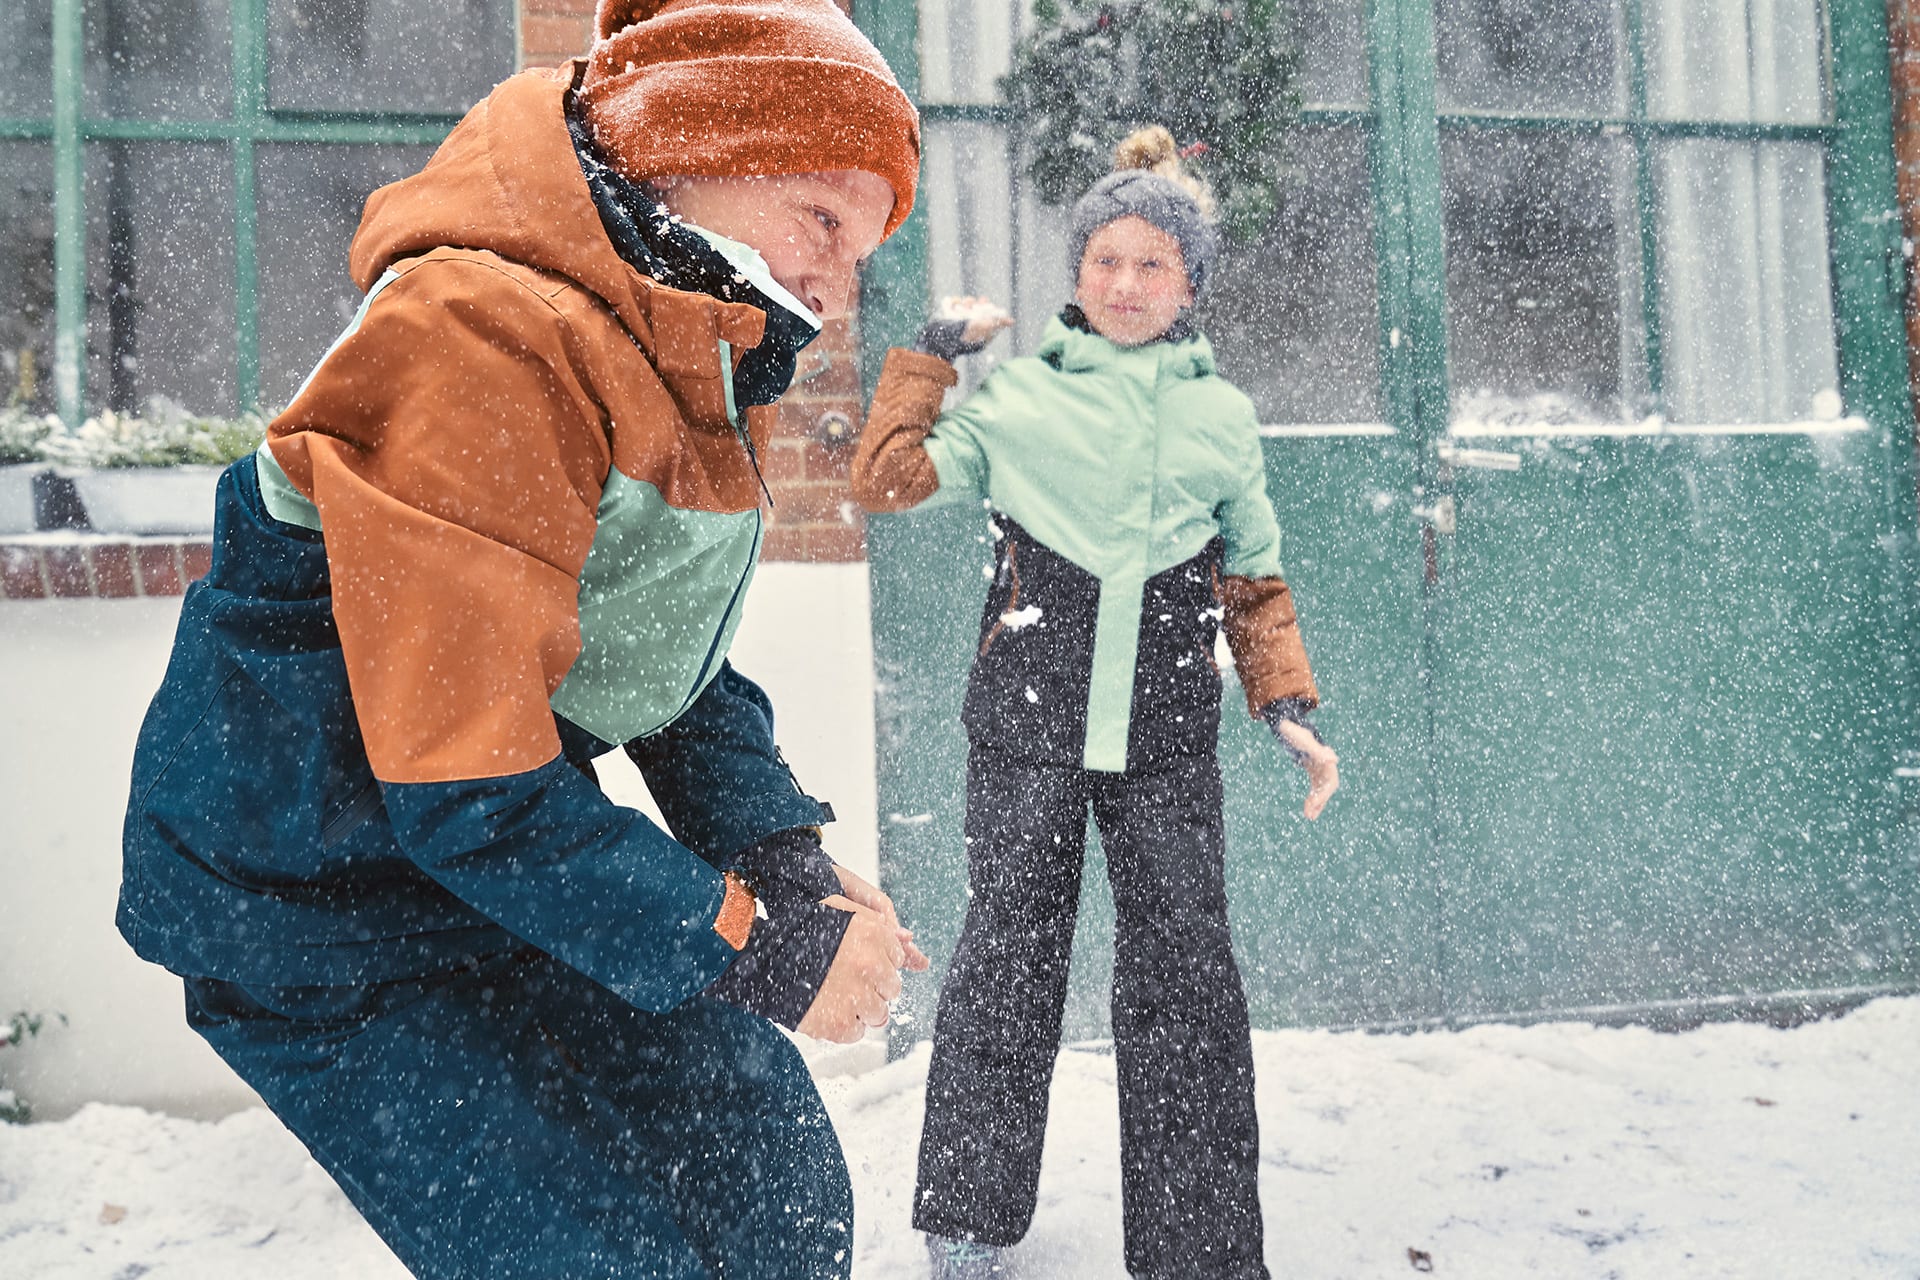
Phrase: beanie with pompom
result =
(1149, 182)
(744, 88)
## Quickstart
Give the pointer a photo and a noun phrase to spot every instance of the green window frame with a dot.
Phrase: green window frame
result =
(1404, 127)
(251, 122)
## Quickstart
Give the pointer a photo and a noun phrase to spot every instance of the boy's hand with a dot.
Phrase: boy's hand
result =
(870, 897)
(1318, 759)
(863, 980)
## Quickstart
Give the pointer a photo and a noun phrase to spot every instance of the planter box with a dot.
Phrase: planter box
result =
(151, 500)
(16, 496)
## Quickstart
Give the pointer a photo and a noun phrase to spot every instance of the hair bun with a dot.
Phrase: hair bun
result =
(1151, 147)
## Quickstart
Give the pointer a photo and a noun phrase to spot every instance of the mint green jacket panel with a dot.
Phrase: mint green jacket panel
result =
(1127, 461)
(660, 600)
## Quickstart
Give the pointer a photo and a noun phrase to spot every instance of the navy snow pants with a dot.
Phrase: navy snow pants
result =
(1189, 1138)
(517, 1121)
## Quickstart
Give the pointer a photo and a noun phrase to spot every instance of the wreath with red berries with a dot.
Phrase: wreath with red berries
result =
(1219, 74)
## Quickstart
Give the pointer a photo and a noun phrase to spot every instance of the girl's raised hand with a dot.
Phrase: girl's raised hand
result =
(982, 317)
(1321, 763)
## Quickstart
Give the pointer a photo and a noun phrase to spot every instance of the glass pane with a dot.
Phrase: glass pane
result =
(1043, 276)
(967, 199)
(26, 59)
(1531, 57)
(965, 45)
(160, 316)
(1543, 301)
(387, 55)
(159, 59)
(1760, 60)
(1332, 35)
(1746, 305)
(309, 204)
(26, 275)
(1293, 317)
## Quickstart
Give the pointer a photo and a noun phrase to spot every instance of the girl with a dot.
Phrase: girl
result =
(1131, 520)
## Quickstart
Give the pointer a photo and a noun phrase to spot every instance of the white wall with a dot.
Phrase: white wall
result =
(76, 679)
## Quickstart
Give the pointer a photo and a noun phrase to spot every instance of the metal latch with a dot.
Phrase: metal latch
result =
(1440, 515)
(1490, 459)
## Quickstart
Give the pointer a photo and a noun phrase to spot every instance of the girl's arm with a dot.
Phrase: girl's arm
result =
(891, 469)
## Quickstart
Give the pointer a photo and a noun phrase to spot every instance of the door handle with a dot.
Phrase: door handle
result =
(1440, 515)
(1489, 459)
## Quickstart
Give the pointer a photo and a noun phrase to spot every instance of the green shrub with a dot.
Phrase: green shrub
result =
(22, 433)
(14, 1032)
(167, 436)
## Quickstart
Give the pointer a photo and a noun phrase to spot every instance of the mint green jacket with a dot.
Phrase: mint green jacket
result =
(1126, 461)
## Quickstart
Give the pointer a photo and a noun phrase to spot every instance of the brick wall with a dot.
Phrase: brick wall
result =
(1903, 25)
(813, 516)
(100, 566)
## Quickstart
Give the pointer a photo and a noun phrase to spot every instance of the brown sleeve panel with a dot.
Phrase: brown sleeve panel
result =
(457, 461)
(891, 470)
(1265, 639)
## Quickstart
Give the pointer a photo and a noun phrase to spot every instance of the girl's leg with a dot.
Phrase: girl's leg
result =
(998, 1028)
(520, 1120)
(1189, 1138)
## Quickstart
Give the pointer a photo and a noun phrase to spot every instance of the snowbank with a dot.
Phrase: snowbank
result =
(1558, 1150)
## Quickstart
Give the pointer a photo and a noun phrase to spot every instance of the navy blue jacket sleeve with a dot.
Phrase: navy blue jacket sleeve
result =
(717, 776)
(551, 859)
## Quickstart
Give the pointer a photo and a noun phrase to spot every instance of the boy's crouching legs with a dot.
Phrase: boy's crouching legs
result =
(519, 1121)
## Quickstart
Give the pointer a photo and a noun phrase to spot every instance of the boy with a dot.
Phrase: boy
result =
(505, 527)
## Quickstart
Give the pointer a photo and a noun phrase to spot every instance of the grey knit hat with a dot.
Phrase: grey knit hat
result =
(1160, 201)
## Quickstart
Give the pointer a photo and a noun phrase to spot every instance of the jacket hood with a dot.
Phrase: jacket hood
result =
(507, 180)
(1073, 350)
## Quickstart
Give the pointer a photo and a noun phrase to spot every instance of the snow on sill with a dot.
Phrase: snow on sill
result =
(100, 537)
(1657, 427)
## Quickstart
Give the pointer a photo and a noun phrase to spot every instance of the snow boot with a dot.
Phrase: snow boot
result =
(950, 1259)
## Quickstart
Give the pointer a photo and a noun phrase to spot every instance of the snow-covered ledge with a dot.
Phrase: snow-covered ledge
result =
(79, 673)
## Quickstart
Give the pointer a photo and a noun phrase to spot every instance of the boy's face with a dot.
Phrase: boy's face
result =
(1133, 281)
(814, 229)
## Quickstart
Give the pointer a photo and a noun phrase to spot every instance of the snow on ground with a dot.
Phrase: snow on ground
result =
(1561, 1150)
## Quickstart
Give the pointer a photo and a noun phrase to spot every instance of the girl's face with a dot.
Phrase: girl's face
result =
(814, 229)
(1133, 281)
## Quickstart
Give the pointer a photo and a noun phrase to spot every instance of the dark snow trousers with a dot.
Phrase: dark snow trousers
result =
(519, 1122)
(1189, 1143)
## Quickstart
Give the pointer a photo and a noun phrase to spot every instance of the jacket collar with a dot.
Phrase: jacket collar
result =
(1070, 345)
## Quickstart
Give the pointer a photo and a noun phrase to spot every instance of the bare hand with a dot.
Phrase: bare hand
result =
(863, 980)
(1322, 766)
(870, 897)
(983, 317)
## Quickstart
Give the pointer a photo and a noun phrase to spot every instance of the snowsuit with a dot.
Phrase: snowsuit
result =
(506, 526)
(1131, 523)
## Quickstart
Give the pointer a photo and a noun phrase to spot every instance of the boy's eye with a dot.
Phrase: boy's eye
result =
(826, 219)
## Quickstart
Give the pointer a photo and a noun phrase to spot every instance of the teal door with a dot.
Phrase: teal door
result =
(1590, 440)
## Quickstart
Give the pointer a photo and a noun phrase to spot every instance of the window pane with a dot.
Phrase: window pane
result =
(1531, 56)
(160, 316)
(309, 205)
(1761, 60)
(965, 45)
(159, 59)
(1543, 302)
(387, 55)
(1332, 35)
(26, 275)
(1293, 317)
(26, 58)
(1746, 305)
(967, 198)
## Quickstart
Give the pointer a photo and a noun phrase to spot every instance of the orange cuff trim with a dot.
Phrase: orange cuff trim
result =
(735, 920)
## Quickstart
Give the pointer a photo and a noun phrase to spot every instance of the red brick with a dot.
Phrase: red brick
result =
(113, 571)
(67, 572)
(783, 462)
(159, 566)
(578, 8)
(195, 559)
(830, 462)
(554, 39)
(797, 504)
(840, 544)
(21, 574)
(784, 544)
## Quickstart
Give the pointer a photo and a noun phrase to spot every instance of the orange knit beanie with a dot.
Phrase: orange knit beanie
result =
(733, 88)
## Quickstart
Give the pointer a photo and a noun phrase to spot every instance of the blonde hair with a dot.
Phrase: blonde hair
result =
(1152, 148)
